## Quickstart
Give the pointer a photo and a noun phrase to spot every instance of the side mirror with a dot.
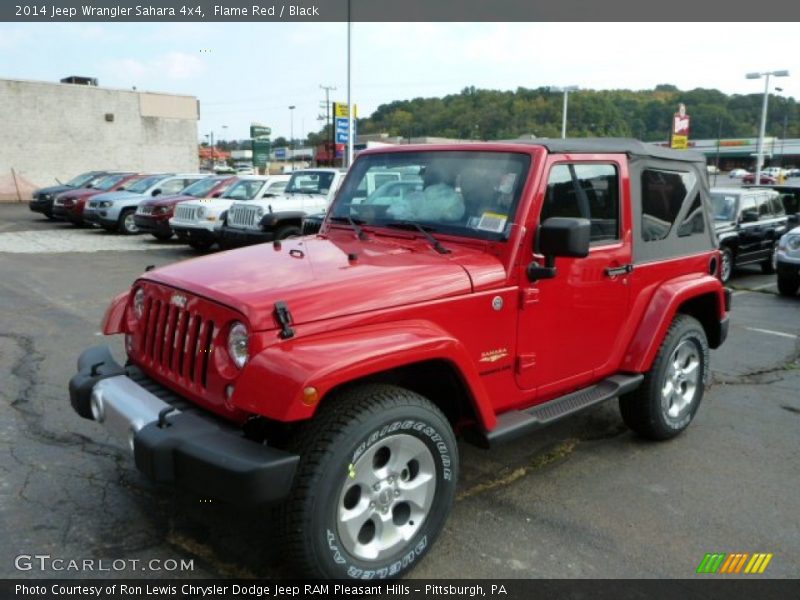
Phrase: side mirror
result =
(749, 216)
(90, 185)
(794, 219)
(119, 189)
(155, 192)
(216, 194)
(559, 236)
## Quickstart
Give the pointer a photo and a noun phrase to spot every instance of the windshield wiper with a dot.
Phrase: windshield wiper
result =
(355, 223)
(437, 245)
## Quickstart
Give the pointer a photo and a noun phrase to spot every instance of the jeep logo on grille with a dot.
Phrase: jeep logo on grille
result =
(178, 300)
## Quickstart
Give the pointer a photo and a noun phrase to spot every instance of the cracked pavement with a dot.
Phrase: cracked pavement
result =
(583, 498)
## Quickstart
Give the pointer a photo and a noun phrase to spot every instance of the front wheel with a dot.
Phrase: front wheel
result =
(375, 484)
(667, 400)
(788, 284)
(200, 245)
(287, 231)
(768, 266)
(162, 236)
(127, 223)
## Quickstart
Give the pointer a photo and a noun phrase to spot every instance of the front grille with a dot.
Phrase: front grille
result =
(185, 213)
(244, 216)
(177, 341)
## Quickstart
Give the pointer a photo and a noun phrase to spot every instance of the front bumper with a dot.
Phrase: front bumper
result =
(174, 441)
(233, 236)
(150, 224)
(41, 206)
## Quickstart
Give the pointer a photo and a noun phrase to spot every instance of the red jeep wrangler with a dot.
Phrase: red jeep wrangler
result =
(506, 286)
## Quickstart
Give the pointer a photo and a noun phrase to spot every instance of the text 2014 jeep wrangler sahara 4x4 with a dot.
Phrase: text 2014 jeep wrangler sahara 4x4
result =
(518, 284)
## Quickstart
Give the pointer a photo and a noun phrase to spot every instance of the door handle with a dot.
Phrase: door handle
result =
(617, 271)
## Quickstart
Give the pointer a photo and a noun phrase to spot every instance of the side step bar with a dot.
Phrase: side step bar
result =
(516, 423)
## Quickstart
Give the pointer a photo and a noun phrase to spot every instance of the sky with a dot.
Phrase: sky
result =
(252, 72)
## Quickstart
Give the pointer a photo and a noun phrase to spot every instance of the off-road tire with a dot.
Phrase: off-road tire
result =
(123, 226)
(287, 231)
(200, 245)
(788, 285)
(359, 424)
(644, 409)
(162, 237)
(726, 257)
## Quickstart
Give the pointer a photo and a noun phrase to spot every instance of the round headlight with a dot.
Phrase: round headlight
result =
(793, 242)
(138, 303)
(260, 212)
(201, 212)
(238, 344)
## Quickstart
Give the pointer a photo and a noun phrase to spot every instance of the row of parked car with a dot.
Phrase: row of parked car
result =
(754, 224)
(200, 209)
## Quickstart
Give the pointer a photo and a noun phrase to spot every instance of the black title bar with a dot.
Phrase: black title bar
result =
(402, 10)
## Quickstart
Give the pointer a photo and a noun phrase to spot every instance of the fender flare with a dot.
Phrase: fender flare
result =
(328, 360)
(661, 310)
(114, 317)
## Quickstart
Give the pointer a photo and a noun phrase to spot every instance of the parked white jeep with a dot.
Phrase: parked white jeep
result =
(198, 222)
(275, 218)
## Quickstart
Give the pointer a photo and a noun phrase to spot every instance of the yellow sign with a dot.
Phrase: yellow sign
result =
(680, 142)
(340, 110)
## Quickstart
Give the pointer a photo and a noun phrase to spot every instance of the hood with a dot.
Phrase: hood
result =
(80, 193)
(120, 195)
(53, 189)
(166, 200)
(317, 281)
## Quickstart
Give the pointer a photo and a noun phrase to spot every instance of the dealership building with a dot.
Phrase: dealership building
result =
(54, 131)
(736, 153)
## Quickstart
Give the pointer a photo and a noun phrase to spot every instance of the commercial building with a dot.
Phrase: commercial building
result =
(54, 131)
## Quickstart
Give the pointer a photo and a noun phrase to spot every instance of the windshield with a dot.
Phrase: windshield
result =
(246, 189)
(81, 180)
(474, 194)
(141, 186)
(203, 187)
(108, 182)
(724, 206)
(310, 182)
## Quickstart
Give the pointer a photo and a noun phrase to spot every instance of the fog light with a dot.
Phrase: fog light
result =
(310, 396)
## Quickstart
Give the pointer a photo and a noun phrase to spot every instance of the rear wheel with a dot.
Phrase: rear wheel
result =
(375, 484)
(726, 266)
(666, 402)
(126, 223)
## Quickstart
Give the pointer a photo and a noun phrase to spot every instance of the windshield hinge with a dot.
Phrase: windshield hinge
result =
(284, 319)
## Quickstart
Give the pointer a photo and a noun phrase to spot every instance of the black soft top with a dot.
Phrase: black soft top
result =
(627, 146)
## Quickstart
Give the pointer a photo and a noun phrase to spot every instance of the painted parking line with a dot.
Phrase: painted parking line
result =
(791, 336)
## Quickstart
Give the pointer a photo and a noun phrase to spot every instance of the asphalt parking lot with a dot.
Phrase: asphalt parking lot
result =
(585, 498)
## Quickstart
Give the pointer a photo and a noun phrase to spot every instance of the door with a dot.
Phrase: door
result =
(752, 232)
(569, 325)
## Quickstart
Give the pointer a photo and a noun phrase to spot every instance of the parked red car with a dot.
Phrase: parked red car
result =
(522, 283)
(765, 179)
(69, 205)
(153, 215)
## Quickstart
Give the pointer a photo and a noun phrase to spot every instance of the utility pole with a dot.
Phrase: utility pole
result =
(328, 89)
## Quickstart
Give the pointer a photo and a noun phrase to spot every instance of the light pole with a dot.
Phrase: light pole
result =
(785, 121)
(566, 90)
(762, 129)
(350, 135)
(291, 134)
